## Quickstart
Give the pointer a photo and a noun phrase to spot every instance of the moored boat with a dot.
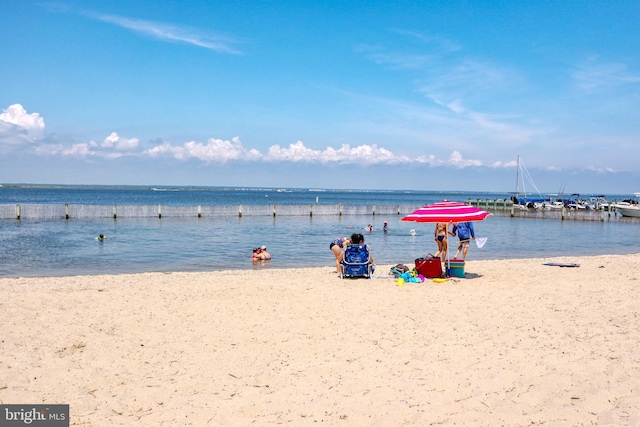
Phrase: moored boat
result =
(629, 207)
(521, 201)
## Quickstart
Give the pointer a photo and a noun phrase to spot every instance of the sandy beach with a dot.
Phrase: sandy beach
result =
(514, 343)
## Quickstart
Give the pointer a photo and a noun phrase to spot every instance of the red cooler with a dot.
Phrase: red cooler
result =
(429, 267)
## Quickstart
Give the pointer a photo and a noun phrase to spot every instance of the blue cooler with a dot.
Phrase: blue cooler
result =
(455, 268)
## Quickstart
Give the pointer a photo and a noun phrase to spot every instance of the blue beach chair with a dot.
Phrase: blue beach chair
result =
(356, 262)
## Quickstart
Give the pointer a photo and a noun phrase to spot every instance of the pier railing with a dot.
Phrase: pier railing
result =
(81, 211)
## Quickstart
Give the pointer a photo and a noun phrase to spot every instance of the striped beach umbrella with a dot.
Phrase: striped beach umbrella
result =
(447, 211)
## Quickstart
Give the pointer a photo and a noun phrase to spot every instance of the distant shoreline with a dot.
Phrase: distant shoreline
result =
(151, 187)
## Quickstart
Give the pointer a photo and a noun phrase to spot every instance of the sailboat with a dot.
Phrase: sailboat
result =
(522, 201)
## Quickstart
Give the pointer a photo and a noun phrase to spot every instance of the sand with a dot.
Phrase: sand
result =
(514, 343)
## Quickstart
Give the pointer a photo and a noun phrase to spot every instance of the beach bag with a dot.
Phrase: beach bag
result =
(398, 269)
(429, 266)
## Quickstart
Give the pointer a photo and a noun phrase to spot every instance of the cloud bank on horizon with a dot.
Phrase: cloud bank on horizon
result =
(257, 91)
(20, 130)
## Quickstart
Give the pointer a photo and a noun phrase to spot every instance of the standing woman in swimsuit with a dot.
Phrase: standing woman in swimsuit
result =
(440, 236)
(337, 247)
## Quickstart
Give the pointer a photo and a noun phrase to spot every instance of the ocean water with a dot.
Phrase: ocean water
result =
(61, 247)
(222, 196)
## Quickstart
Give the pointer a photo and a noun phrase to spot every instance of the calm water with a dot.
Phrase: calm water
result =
(220, 196)
(68, 247)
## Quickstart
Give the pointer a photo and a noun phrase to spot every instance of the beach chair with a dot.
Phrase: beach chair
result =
(356, 262)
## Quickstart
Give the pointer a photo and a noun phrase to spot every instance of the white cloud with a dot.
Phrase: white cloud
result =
(601, 170)
(592, 75)
(216, 150)
(80, 150)
(220, 151)
(119, 143)
(455, 105)
(48, 149)
(295, 153)
(174, 33)
(165, 149)
(503, 131)
(19, 127)
(77, 150)
(458, 161)
(495, 126)
(505, 165)
(400, 60)
(428, 52)
(360, 155)
(91, 148)
(110, 140)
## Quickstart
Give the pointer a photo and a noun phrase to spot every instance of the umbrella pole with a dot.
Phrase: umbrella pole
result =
(447, 265)
(447, 268)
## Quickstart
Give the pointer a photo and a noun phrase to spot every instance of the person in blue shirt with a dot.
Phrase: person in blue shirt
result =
(465, 233)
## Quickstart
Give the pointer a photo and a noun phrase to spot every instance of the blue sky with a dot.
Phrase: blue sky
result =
(389, 95)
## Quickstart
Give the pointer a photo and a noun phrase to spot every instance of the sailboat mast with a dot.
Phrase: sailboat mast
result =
(518, 177)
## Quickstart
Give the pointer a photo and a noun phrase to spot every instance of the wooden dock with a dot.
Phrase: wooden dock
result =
(505, 207)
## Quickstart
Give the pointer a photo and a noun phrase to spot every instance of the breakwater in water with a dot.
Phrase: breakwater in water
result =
(85, 211)
(70, 211)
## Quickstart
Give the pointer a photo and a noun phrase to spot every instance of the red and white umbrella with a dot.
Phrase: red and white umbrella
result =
(447, 211)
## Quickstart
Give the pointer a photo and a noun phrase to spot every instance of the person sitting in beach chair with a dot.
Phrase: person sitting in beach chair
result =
(357, 260)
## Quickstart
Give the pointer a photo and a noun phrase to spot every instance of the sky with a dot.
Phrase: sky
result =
(433, 95)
